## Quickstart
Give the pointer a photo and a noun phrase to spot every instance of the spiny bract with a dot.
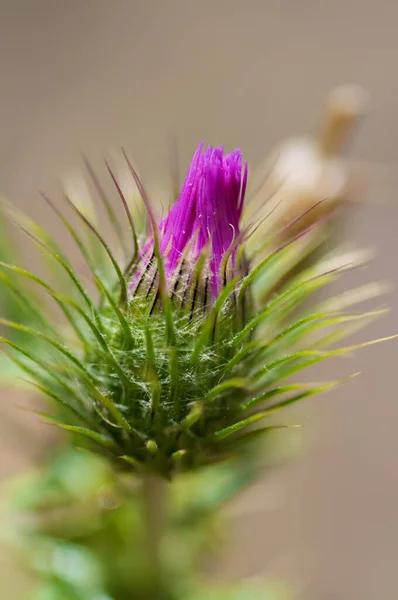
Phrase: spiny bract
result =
(194, 338)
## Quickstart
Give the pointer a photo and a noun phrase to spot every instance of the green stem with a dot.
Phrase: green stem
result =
(154, 491)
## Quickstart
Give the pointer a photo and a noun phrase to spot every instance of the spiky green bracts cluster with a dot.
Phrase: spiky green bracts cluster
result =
(193, 339)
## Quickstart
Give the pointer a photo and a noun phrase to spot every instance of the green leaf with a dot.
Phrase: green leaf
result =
(52, 293)
(293, 362)
(226, 386)
(114, 411)
(281, 389)
(284, 301)
(129, 218)
(102, 440)
(235, 427)
(106, 203)
(51, 394)
(120, 276)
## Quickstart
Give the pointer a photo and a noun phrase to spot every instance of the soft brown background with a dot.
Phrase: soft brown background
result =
(96, 74)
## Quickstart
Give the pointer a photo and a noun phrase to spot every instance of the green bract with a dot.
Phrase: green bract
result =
(163, 381)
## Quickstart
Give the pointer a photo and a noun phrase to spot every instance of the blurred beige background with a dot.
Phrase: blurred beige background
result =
(96, 74)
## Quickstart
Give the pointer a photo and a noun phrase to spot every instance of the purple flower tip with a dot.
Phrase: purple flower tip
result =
(206, 215)
(208, 211)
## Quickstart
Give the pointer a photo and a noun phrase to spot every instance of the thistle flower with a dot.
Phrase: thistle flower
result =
(205, 219)
(178, 359)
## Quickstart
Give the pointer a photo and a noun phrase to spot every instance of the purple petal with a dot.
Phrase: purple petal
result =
(206, 214)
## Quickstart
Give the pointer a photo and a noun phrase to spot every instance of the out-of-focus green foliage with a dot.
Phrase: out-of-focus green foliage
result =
(80, 530)
(244, 591)
(13, 305)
